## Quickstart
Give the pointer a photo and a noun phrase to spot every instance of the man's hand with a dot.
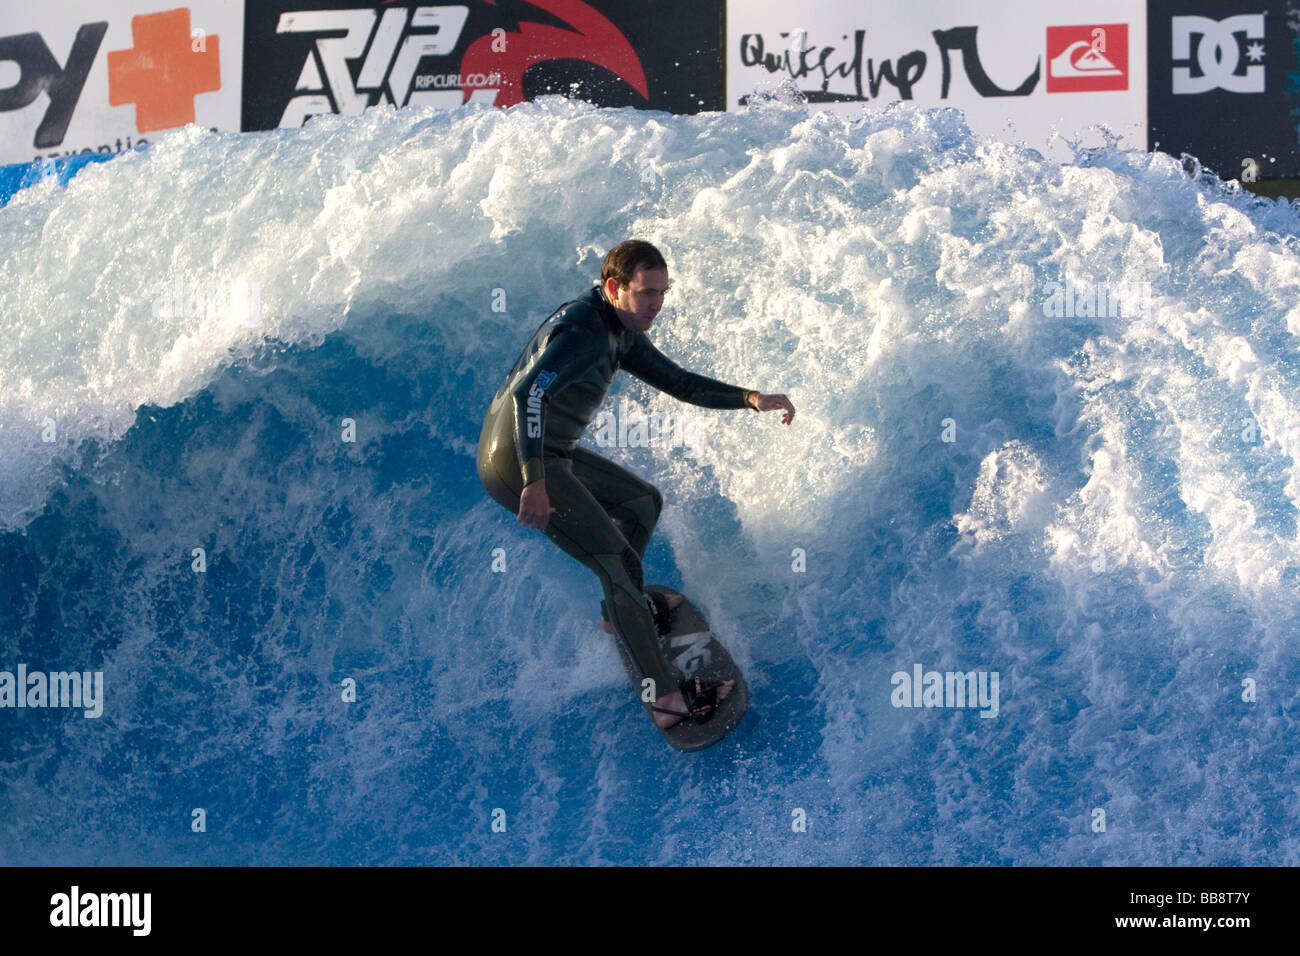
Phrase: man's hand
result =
(535, 506)
(766, 403)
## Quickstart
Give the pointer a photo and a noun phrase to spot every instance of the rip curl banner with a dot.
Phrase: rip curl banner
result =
(304, 58)
(1225, 85)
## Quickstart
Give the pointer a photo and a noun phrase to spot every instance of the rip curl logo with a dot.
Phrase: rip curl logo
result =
(591, 38)
(392, 47)
(396, 48)
(1088, 58)
(540, 384)
(1214, 50)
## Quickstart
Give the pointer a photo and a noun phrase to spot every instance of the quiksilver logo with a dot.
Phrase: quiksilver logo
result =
(535, 403)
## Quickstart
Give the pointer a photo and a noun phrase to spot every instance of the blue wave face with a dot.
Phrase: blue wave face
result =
(1046, 435)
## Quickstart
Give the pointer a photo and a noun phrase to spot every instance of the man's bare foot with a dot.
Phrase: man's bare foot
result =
(675, 701)
(673, 601)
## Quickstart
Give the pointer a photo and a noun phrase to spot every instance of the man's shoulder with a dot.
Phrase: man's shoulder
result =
(582, 314)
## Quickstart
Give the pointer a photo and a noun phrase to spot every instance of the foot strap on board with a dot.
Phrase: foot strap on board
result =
(660, 611)
(701, 701)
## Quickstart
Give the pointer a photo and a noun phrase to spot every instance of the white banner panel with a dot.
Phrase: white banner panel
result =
(1017, 68)
(79, 77)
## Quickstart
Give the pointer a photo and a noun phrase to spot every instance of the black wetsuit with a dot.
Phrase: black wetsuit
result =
(604, 514)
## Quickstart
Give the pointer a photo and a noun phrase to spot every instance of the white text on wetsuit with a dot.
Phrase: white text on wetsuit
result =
(535, 403)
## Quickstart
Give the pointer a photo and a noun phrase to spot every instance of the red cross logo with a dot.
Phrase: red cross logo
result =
(162, 73)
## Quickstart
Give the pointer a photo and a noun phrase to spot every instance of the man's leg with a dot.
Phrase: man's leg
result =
(582, 528)
(631, 501)
(634, 506)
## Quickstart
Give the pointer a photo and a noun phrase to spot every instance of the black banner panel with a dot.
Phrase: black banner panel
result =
(1224, 85)
(303, 58)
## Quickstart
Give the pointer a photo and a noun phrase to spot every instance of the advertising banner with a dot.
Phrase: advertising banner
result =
(1019, 69)
(1224, 85)
(308, 57)
(79, 78)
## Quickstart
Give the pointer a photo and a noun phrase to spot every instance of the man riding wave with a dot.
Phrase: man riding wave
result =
(529, 459)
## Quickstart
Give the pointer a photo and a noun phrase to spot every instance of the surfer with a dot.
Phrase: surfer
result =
(600, 513)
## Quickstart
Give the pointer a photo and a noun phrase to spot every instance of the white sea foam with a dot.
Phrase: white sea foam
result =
(1102, 509)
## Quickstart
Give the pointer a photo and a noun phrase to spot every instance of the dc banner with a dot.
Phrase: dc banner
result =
(1223, 85)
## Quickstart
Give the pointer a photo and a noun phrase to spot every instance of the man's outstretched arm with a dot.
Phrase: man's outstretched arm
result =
(656, 369)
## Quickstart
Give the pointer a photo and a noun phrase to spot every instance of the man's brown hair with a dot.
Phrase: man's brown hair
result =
(624, 259)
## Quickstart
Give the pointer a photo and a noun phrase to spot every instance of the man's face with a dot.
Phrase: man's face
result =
(637, 303)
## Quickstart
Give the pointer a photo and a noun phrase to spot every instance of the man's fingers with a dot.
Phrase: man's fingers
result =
(770, 402)
(536, 519)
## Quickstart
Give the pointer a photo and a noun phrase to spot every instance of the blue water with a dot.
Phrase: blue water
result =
(1112, 528)
(20, 176)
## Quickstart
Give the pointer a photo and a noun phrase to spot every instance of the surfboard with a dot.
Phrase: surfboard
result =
(696, 651)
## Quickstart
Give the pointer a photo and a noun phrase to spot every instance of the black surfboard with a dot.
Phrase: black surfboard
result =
(694, 649)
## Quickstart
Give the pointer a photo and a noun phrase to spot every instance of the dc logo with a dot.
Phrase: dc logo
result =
(1218, 55)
